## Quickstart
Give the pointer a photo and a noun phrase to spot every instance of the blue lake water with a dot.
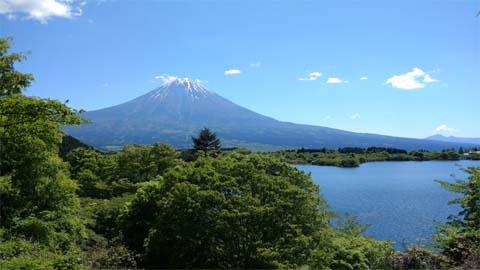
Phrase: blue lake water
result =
(400, 200)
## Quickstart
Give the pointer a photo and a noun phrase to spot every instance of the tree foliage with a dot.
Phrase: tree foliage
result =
(11, 81)
(470, 200)
(38, 200)
(106, 176)
(206, 141)
(459, 239)
(236, 211)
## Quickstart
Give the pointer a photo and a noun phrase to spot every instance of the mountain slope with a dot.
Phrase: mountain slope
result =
(181, 107)
(454, 139)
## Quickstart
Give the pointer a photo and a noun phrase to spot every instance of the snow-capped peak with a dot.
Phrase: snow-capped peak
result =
(189, 84)
(192, 87)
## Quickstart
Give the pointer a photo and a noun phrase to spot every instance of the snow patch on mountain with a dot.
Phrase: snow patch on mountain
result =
(175, 85)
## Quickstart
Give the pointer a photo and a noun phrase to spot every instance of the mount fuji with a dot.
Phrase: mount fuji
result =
(181, 107)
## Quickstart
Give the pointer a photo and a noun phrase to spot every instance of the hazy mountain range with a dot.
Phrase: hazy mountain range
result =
(179, 108)
(454, 139)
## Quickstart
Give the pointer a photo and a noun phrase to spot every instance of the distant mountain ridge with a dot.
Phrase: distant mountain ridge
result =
(181, 107)
(454, 139)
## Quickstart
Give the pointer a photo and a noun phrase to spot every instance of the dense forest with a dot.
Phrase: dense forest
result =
(64, 205)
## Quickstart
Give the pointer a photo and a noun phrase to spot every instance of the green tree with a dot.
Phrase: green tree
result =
(38, 197)
(105, 176)
(85, 168)
(470, 201)
(459, 239)
(11, 81)
(139, 163)
(234, 211)
(206, 141)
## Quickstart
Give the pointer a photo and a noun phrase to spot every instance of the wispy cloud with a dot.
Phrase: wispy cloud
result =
(232, 72)
(169, 78)
(335, 80)
(355, 116)
(414, 79)
(363, 78)
(429, 79)
(41, 10)
(166, 78)
(312, 76)
(445, 128)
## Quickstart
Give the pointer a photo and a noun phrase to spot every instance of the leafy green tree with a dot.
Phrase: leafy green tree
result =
(95, 174)
(470, 201)
(139, 217)
(206, 141)
(349, 226)
(20, 253)
(235, 211)
(350, 250)
(109, 175)
(459, 239)
(139, 163)
(38, 198)
(11, 81)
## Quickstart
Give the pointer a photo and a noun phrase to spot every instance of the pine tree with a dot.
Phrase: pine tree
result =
(206, 141)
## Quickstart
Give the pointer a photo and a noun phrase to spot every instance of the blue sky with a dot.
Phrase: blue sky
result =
(297, 61)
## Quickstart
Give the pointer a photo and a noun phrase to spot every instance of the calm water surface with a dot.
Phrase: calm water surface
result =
(400, 200)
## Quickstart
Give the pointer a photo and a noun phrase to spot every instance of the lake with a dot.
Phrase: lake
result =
(400, 199)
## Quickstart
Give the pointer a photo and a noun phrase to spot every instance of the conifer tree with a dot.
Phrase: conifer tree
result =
(206, 141)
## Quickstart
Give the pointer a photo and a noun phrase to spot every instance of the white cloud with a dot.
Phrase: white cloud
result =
(411, 80)
(429, 79)
(363, 78)
(41, 10)
(232, 72)
(166, 78)
(315, 74)
(201, 81)
(355, 116)
(169, 78)
(335, 80)
(445, 128)
(255, 65)
(312, 76)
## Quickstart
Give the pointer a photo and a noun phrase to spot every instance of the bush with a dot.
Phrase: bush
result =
(419, 258)
(115, 256)
(21, 254)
